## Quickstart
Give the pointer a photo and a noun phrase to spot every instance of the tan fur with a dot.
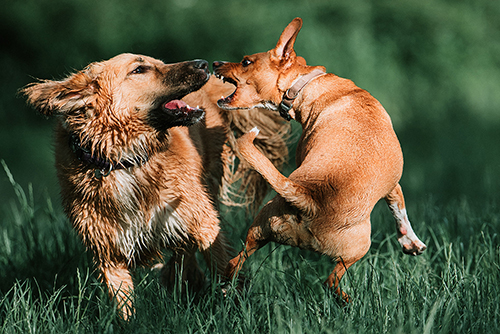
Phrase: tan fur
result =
(348, 158)
(171, 201)
(241, 185)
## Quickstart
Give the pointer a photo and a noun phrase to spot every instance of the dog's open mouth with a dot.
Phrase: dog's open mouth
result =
(228, 99)
(225, 79)
(174, 113)
(179, 108)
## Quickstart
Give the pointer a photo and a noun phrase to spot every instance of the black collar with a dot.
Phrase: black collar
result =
(103, 167)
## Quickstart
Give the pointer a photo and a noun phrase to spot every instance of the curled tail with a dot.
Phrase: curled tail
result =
(296, 194)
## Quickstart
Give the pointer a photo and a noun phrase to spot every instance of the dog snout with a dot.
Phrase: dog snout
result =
(217, 64)
(200, 64)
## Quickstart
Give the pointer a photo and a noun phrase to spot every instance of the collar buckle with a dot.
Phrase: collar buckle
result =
(285, 107)
(291, 93)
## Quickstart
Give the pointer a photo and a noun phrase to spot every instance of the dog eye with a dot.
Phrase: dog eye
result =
(246, 62)
(139, 69)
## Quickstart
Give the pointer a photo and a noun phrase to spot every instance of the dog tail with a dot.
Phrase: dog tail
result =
(292, 192)
(242, 185)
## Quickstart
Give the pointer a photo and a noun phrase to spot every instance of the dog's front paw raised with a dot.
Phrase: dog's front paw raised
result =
(245, 142)
(252, 134)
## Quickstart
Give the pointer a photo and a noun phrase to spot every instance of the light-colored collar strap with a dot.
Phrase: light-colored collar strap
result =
(290, 95)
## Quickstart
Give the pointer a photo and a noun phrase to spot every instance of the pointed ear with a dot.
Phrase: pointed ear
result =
(284, 47)
(75, 92)
(301, 61)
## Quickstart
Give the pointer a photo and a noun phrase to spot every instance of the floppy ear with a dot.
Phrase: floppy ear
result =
(75, 92)
(284, 47)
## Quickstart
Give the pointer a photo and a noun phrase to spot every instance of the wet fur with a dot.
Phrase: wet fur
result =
(128, 217)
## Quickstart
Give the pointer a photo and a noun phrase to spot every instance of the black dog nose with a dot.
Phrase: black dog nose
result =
(200, 64)
(217, 63)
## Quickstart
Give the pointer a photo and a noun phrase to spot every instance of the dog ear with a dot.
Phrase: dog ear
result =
(73, 93)
(301, 61)
(284, 48)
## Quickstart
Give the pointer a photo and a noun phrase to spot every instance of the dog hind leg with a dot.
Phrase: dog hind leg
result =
(409, 241)
(350, 248)
(276, 222)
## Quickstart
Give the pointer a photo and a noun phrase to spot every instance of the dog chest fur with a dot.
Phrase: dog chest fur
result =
(159, 227)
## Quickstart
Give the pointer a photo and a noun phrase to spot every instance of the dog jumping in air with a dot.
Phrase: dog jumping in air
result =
(348, 158)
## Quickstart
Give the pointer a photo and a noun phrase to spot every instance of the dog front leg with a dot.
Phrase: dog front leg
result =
(294, 193)
(120, 287)
(217, 256)
(260, 232)
(253, 242)
(210, 240)
(409, 241)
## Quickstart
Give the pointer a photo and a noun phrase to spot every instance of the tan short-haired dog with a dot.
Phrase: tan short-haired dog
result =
(348, 158)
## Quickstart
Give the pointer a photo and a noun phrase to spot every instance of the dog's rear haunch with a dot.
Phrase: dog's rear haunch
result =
(134, 178)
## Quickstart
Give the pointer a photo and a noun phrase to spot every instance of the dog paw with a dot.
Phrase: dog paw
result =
(255, 130)
(247, 138)
(252, 134)
(412, 247)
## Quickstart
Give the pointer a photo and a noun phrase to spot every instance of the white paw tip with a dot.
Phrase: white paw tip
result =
(255, 130)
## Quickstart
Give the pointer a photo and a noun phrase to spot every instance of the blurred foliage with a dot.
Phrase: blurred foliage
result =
(434, 65)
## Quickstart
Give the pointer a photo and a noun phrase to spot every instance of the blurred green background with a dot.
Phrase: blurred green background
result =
(434, 65)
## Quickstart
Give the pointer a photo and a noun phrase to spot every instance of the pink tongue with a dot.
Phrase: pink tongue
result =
(175, 104)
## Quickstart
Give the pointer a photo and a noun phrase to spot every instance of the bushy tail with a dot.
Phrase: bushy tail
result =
(242, 185)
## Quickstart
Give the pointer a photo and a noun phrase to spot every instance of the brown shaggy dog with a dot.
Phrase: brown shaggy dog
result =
(134, 178)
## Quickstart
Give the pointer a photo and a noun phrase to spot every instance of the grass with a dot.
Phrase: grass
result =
(48, 282)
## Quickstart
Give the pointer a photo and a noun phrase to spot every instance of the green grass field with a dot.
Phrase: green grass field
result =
(48, 283)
